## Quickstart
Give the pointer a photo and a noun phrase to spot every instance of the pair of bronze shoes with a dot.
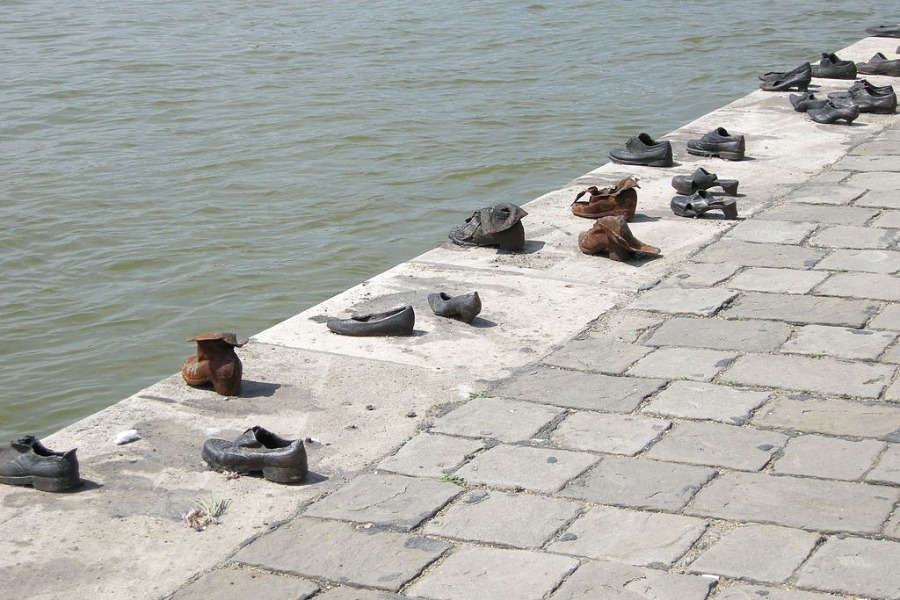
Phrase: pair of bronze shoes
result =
(619, 199)
(215, 362)
(612, 235)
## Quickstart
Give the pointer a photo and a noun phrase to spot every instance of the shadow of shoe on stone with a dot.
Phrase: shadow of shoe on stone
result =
(258, 389)
(482, 323)
(642, 218)
(531, 246)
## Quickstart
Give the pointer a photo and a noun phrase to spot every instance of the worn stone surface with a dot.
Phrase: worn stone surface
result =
(750, 254)
(610, 433)
(840, 342)
(700, 275)
(718, 445)
(538, 469)
(613, 581)
(888, 218)
(820, 375)
(828, 458)
(861, 285)
(520, 520)
(879, 199)
(892, 527)
(772, 232)
(493, 573)
(497, 418)
(846, 236)
(887, 470)
(754, 592)
(343, 553)
(240, 584)
(628, 536)
(625, 325)
(828, 506)
(868, 261)
(385, 500)
(889, 318)
(598, 355)
(428, 455)
(704, 302)
(579, 390)
(802, 309)
(747, 553)
(700, 400)
(892, 393)
(688, 363)
(783, 281)
(721, 334)
(348, 593)
(825, 194)
(811, 213)
(834, 416)
(854, 566)
(876, 181)
(639, 483)
(892, 355)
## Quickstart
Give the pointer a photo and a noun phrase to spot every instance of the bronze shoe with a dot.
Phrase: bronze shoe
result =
(613, 235)
(498, 225)
(258, 449)
(462, 308)
(617, 199)
(28, 462)
(394, 322)
(215, 362)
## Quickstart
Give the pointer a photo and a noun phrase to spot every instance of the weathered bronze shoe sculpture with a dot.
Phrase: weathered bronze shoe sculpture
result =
(879, 64)
(831, 113)
(805, 101)
(394, 322)
(700, 203)
(799, 78)
(701, 179)
(28, 462)
(832, 67)
(257, 449)
(617, 199)
(462, 308)
(718, 142)
(644, 150)
(498, 225)
(612, 234)
(215, 362)
(884, 31)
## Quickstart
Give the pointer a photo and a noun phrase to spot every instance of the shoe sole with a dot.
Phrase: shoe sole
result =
(725, 155)
(44, 484)
(652, 163)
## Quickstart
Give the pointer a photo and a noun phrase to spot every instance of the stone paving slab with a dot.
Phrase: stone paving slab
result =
(497, 418)
(760, 255)
(640, 483)
(876, 181)
(887, 471)
(820, 375)
(520, 520)
(825, 194)
(579, 390)
(840, 342)
(718, 445)
(614, 581)
(695, 301)
(889, 318)
(848, 236)
(772, 232)
(428, 455)
(699, 275)
(778, 281)
(802, 309)
(536, 469)
(892, 527)
(632, 537)
(880, 199)
(869, 163)
(341, 552)
(892, 393)
(609, 433)
(834, 416)
(721, 334)
(495, 573)
(598, 355)
(240, 584)
(747, 553)
(813, 213)
(688, 363)
(385, 500)
(706, 401)
(828, 506)
(348, 593)
(861, 285)
(828, 458)
(854, 566)
(868, 261)
(888, 218)
(748, 592)
(624, 325)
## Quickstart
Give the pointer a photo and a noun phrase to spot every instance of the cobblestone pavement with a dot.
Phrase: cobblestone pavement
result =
(733, 432)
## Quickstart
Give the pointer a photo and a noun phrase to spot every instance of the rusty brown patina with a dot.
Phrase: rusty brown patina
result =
(215, 362)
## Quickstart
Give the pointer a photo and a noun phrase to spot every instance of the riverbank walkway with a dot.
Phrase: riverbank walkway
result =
(720, 422)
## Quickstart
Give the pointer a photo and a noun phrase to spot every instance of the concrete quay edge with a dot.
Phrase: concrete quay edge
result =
(479, 395)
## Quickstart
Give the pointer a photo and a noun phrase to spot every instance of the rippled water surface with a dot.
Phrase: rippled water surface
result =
(172, 167)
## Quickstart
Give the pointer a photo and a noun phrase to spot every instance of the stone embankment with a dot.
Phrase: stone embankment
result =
(720, 422)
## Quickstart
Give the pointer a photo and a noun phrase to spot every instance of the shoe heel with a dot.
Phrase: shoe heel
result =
(284, 475)
(55, 484)
(729, 209)
(730, 186)
(732, 155)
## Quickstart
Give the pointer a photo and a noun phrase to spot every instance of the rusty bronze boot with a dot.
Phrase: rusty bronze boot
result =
(613, 235)
(215, 363)
(617, 199)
